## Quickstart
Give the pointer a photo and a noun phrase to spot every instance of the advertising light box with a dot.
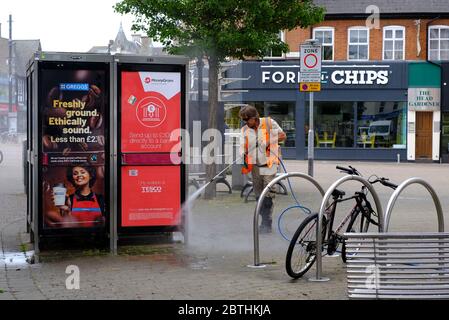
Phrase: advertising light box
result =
(151, 196)
(150, 111)
(73, 109)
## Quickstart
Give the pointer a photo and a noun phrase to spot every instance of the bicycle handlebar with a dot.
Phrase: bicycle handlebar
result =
(353, 171)
(350, 170)
(384, 181)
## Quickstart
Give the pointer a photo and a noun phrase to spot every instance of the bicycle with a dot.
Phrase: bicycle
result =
(301, 253)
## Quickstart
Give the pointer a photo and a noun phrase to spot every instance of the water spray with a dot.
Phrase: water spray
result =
(187, 205)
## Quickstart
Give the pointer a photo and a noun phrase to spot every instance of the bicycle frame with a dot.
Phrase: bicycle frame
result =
(359, 208)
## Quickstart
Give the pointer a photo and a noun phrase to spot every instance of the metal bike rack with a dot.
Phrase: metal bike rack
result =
(259, 205)
(398, 191)
(324, 203)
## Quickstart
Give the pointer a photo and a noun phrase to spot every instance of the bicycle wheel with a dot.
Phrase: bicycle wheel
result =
(301, 253)
(359, 223)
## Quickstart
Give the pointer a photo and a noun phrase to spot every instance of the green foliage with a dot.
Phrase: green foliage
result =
(220, 28)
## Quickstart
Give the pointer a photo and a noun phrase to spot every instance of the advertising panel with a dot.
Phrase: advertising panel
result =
(73, 112)
(151, 197)
(150, 111)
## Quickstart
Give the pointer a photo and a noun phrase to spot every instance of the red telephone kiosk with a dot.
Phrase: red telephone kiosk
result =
(152, 110)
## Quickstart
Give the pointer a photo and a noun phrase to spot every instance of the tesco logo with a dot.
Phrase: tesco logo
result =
(152, 189)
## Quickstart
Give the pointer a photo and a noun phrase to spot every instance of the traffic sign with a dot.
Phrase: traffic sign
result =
(310, 86)
(311, 58)
(310, 77)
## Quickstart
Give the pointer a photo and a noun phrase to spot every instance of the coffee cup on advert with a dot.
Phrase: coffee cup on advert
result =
(59, 192)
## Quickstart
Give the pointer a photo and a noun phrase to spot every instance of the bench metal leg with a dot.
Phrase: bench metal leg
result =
(224, 181)
(284, 189)
(246, 186)
(248, 194)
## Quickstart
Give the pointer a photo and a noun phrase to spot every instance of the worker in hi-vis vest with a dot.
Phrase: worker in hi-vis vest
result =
(259, 145)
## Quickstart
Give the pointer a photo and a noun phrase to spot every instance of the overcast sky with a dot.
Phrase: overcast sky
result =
(64, 25)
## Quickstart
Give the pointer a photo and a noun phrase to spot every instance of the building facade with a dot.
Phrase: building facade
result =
(22, 52)
(382, 91)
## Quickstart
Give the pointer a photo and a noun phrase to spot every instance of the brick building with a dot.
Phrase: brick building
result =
(405, 24)
(383, 88)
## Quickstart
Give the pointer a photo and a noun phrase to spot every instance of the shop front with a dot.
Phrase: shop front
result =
(424, 112)
(360, 114)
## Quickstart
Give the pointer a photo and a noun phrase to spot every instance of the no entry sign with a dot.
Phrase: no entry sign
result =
(310, 58)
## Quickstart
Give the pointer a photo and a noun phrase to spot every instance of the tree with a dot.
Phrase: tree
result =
(217, 29)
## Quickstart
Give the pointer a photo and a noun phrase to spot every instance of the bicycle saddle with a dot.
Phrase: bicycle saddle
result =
(338, 193)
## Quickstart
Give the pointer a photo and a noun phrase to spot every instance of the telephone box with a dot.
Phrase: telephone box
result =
(104, 145)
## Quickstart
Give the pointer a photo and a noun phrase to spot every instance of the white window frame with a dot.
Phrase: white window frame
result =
(282, 34)
(326, 45)
(438, 27)
(349, 42)
(394, 39)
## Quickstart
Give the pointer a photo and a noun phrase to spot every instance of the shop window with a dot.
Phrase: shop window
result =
(358, 43)
(334, 124)
(438, 43)
(326, 38)
(282, 112)
(394, 43)
(383, 129)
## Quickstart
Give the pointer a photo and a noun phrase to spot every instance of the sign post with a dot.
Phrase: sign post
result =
(310, 81)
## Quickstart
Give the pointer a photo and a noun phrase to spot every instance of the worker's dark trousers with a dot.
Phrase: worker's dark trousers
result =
(259, 183)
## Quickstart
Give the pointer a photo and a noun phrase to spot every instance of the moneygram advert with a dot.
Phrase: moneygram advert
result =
(150, 111)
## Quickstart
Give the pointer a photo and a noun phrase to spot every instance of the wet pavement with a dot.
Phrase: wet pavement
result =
(214, 263)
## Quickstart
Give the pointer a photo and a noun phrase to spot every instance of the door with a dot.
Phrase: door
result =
(424, 135)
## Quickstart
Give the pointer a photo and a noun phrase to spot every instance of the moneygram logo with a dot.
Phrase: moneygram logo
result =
(147, 80)
(151, 112)
(159, 81)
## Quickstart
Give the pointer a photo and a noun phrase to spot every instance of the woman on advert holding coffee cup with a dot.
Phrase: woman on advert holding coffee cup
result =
(84, 208)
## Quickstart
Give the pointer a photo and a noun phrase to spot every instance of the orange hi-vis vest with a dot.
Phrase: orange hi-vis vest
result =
(272, 157)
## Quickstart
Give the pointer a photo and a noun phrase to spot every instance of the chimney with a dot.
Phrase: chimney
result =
(147, 45)
(136, 38)
(147, 42)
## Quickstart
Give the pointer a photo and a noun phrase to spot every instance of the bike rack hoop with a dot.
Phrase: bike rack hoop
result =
(259, 206)
(324, 204)
(394, 197)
